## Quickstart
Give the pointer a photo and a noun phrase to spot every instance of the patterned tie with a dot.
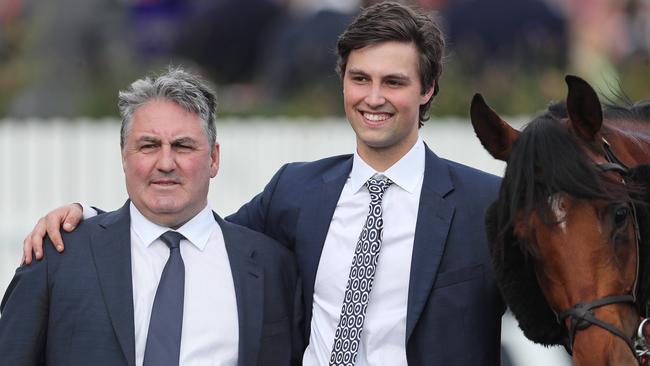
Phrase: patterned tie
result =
(362, 272)
(164, 337)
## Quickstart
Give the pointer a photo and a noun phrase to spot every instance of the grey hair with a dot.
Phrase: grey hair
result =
(176, 85)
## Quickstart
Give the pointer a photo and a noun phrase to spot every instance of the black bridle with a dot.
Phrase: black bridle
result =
(582, 314)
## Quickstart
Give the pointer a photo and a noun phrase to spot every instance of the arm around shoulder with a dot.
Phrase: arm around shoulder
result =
(65, 217)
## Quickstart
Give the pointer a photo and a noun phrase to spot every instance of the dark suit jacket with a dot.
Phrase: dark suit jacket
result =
(454, 307)
(76, 308)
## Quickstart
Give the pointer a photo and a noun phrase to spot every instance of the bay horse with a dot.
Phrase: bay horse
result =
(566, 229)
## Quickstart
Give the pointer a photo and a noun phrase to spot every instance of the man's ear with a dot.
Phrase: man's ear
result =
(214, 163)
(123, 155)
(428, 93)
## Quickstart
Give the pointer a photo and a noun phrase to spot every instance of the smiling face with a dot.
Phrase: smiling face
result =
(168, 163)
(382, 96)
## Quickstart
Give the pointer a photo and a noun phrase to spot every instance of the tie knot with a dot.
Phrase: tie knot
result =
(172, 239)
(378, 185)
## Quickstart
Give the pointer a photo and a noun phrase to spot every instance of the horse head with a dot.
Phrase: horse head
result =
(563, 230)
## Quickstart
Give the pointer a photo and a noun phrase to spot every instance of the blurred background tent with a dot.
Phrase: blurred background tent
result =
(276, 57)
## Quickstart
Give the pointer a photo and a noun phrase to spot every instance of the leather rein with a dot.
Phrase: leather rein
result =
(582, 314)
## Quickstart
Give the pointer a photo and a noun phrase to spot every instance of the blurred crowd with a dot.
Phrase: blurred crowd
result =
(67, 57)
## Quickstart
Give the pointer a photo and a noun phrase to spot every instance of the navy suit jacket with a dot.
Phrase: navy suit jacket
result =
(454, 307)
(76, 308)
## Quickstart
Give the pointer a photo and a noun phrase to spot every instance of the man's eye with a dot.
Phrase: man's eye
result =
(184, 147)
(147, 147)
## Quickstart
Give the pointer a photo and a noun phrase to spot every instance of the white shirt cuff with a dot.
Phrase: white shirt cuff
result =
(88, 211)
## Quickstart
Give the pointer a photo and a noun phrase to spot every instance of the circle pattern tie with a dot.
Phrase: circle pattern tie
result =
(362, 272)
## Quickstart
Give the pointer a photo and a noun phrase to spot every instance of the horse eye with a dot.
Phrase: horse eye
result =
(620, 215)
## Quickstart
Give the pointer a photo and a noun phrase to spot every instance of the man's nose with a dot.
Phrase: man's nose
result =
(166, 162)
(375, 97)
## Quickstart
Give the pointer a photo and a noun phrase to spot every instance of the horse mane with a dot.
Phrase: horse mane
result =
(518, 285)
(617, 107)
(622, 107)
(546, 159)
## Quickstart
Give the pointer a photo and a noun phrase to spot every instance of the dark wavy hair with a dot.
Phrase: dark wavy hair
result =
(391, 21)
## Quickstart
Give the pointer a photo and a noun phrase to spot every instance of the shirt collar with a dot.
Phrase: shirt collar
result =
(405, 173)
(197, 231)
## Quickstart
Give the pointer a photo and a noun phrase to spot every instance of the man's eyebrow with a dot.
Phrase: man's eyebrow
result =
(357, 72)
(397, 76)
(184, 140)
(148, 139)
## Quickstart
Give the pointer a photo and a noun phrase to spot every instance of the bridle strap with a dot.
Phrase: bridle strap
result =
(611, 157)
(582, 317)
(608, 167)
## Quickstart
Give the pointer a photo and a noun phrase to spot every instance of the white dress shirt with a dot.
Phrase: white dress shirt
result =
(383, 338)
(210, 325)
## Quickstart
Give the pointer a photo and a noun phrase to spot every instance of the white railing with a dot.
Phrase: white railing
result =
(48, 163)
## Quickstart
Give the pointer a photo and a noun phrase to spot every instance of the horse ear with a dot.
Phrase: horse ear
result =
(584, 108)
(496, 135)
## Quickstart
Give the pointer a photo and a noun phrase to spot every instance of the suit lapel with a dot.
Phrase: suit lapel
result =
(434, 219)
(111, 249)
(316, 212)
(248, 279)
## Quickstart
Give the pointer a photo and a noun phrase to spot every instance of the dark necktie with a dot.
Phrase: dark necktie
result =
(164, 337)
(362, 273)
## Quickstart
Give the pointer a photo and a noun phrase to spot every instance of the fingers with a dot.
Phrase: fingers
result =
(27, 251)
(67, 217)
(34, 242)
(73, 216)
(53, 222)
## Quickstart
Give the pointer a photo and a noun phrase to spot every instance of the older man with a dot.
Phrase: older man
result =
(163, 280)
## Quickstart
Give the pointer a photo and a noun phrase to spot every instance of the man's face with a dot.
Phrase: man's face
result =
(382, 96)
(167, 163)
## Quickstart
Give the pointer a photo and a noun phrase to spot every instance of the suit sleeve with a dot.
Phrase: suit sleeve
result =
(253, 214)
(24, 308)
(293, 291)
(298, 325)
